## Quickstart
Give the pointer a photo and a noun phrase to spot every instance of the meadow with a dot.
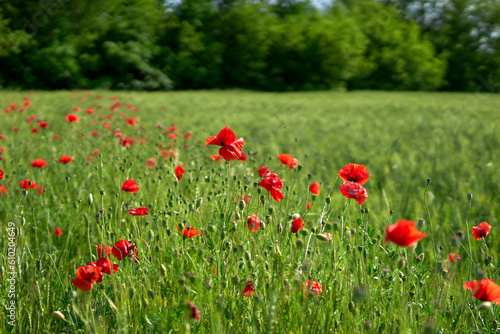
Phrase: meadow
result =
(432, 159)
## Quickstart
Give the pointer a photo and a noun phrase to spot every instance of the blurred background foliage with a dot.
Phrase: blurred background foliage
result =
(273, 45)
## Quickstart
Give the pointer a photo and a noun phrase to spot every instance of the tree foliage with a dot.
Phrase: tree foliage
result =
(280, 45)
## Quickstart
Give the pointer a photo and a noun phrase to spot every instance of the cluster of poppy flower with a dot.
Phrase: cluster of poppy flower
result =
(94, 271)
(354, 176)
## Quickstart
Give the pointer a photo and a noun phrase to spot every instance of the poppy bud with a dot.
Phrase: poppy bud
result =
(469, 196)
(321, 237)
(444, 273)
(90, 199)
(181, 226)
(222, 214)
(131, 293)
(488, 260)
(420, 223)
(299, 243)
(242, 205)
(262, 225)
(411, 293)
(268, 219)
(485, 306)
(279, 228)
(351, 306)
(455, 241)
(145, 302)
(248, 256)
(420, 258)
(299, 167)
(328, 200)
(304, 232)
(59, 315)
(309, 175)
(222, 235)
(401, 262)
(449, 314)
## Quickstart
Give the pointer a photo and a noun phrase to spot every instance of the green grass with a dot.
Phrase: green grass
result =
(402, 138)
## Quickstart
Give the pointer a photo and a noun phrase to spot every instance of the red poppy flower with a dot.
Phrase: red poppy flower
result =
(131, 122)
(249, 289)
(191, 233)
(354, 190)
(231, 147)
(58, 231)
(86, 275)
(355, 173)
(105, 264)
(142, 211)
(1, 174)
(89, 111)
(195, 313)
(172, 136)
(454, 257)
(263, 170)
(7, 110)
(314, 188)
(246, 199)
(122, 249)
(481, 230)
(34, 130)
(169, 154)
(72, 118)
(173, 128)
(100, 250)
(179, 171)
(41, 190)
(215, 157)
(65, 159)
(253, 223)
(15, 129)
(4, 190)
(127, 141)
(56, 137)
(150, 163)
(188, 135)
(95, 133)
(243, 157)
(297, 225)
(312, 288)
(403, 233)
(288, 160)
(273, 184)
(76, 109)
(308, 206)
(485, 290)
(130, 186)
(43, 124)
(27, 184)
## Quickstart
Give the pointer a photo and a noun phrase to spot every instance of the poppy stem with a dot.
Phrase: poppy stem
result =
(427, 212)
(468, 237)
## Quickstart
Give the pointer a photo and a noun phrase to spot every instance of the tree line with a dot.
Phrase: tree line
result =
(280, 45)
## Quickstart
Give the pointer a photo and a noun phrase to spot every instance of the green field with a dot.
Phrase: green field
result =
(403, 139)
